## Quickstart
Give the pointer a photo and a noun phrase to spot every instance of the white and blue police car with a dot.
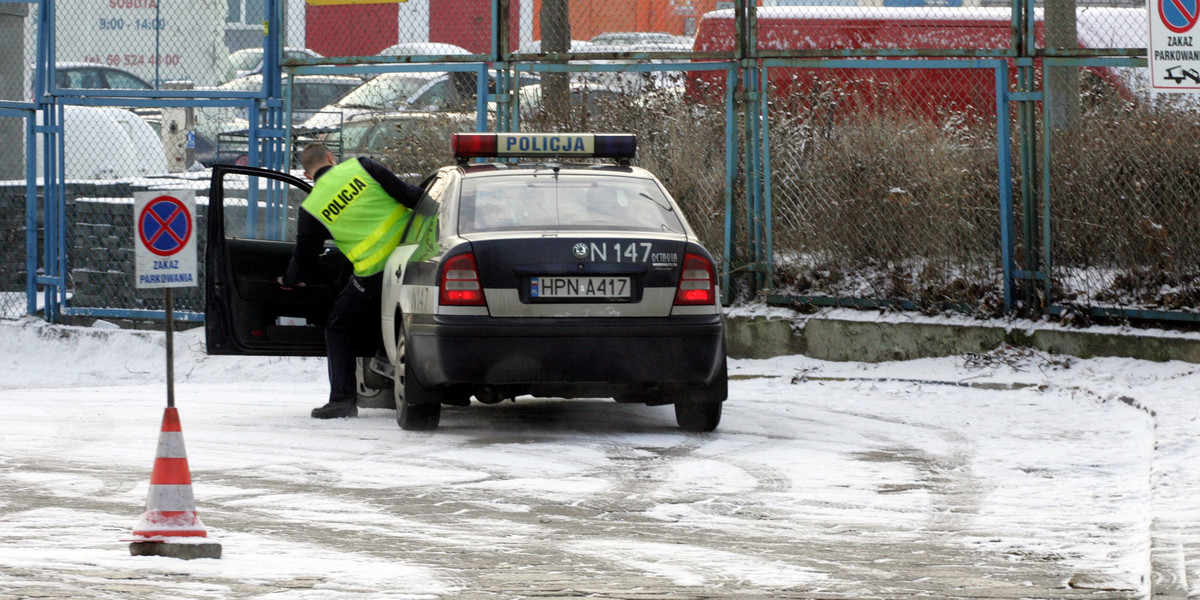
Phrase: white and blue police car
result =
(557, 276)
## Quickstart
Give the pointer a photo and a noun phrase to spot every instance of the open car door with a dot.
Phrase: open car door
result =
(251, 236)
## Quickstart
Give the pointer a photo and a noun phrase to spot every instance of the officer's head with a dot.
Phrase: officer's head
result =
(315, 156)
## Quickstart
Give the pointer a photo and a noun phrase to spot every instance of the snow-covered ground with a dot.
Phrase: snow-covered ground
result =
(1013, 474)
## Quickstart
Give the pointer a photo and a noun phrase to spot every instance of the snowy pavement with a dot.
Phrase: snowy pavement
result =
(1013, 474)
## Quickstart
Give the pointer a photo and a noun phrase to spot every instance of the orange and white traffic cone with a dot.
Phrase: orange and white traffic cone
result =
(170, 506)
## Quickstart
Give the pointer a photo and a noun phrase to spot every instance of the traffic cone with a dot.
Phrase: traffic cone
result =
(170, 506)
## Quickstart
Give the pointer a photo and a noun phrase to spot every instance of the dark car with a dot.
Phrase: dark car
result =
(554, 279)
(82, 75)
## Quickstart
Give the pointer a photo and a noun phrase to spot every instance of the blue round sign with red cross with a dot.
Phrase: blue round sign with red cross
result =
(164, 226)
(1179, 16)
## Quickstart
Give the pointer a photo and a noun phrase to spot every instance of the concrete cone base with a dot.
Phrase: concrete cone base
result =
(172, 549)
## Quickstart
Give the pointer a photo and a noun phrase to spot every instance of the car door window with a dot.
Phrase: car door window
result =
(124, 81)
(86, 79)
(386, 136)
(444, 94)
(317, 95)
(260, 208)
(351, 135)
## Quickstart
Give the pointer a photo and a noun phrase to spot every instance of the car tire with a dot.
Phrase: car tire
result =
(417, 408)
(698, 416)
(700, 412)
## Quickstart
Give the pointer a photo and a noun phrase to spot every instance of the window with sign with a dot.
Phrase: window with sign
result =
(246, 12)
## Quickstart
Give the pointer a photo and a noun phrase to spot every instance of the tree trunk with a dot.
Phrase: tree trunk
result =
(556, 37)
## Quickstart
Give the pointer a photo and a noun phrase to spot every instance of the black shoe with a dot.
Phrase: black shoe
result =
(336, 410)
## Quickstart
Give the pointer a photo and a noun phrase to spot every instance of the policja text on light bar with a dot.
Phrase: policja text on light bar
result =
(589, 145)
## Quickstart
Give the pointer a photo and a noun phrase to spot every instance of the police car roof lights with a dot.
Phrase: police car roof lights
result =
(621, 146)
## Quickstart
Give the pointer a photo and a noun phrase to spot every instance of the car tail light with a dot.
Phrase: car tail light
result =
(698, 283)
(459, 282)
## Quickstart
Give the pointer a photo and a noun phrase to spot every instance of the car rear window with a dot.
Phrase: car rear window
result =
(564, 202)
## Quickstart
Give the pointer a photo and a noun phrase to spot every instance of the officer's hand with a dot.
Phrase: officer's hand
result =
(279, 280)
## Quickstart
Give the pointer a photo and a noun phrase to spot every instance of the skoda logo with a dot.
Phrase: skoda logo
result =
(579, 250)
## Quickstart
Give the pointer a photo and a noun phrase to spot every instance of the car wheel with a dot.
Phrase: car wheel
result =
(700, 412)
(698, 416)
(417, 408)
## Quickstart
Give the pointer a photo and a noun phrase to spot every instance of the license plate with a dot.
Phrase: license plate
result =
(579, 287)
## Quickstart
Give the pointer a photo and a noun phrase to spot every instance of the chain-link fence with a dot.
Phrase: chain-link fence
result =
(899, 155)
(877, 197)
(1122, 186)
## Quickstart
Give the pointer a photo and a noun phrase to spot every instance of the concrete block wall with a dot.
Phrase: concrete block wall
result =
(849, 336)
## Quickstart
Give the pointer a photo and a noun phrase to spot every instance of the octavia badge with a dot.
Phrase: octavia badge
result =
(579, 250)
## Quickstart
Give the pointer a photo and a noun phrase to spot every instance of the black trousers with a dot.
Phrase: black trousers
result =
(352, 330)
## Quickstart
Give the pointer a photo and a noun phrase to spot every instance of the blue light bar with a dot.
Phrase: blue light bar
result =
(574, 145)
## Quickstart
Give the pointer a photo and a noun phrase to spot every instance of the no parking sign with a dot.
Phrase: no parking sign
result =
(1174, 50)
(165, 232)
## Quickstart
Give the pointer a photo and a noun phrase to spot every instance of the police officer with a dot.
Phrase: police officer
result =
(367, 211)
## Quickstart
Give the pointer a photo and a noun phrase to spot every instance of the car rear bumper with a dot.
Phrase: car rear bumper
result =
(688, 351)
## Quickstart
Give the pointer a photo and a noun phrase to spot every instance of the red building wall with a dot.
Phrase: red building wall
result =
(351, 29)
(365, 29)
(468, 23)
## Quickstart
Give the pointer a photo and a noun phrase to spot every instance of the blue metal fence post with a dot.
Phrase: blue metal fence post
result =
(481, 97)
(54, 213)
(768, 249)
(750, 86)
(40, 77)
(496, 53)
(31, 212)
(1023, 44)
(1004, 157)
(53, 181)
(747, 55)
(731, 156)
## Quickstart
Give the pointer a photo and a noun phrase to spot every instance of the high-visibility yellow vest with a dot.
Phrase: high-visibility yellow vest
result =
(365, 222)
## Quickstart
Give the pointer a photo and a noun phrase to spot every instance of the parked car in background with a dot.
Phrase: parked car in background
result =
(587, 95)
(456, 91)
(385, 92)
(94, 76)
(310, 93)
(535, 47)
(390, 92)
(105, 143)
(249, 61)
(648, 41)
(424, 49)
(410, 136)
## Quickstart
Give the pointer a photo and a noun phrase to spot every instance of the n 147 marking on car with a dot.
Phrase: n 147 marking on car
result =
(621, 252)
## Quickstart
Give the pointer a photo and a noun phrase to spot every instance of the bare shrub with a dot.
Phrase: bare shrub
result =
(1125, 209)
(421, 146)
(879, 204)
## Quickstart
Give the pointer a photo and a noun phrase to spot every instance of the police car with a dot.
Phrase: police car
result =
(556, 276)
